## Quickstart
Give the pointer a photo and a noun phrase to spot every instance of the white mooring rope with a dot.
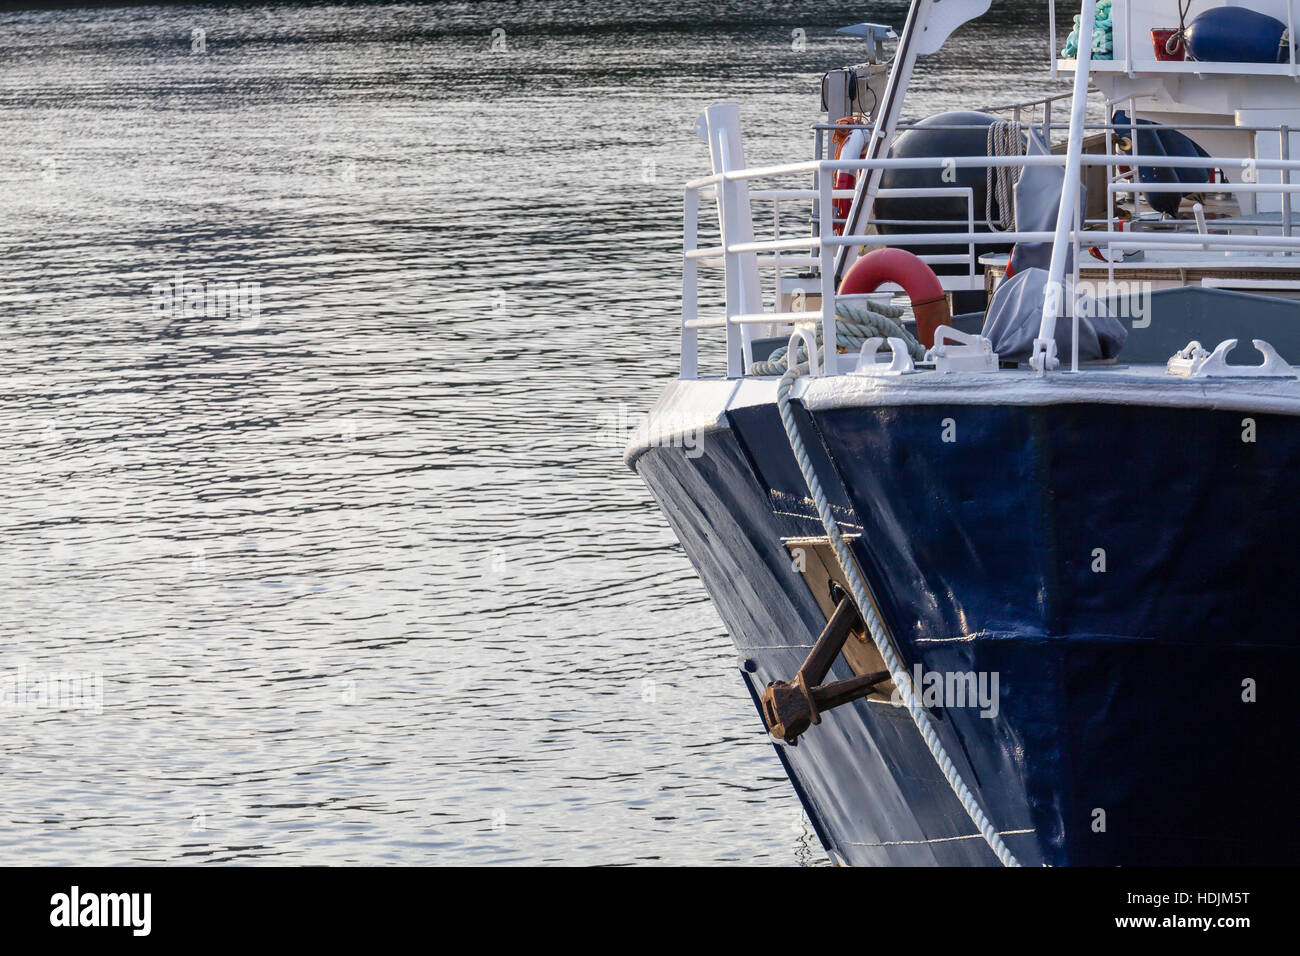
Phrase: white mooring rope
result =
(854, 324)
(1004, 139)
(877, 630)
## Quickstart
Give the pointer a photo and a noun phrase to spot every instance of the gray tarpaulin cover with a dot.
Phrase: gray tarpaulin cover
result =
(1016, 310)
(1038, 198)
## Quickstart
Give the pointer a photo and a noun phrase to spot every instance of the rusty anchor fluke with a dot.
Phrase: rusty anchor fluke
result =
(791, 707)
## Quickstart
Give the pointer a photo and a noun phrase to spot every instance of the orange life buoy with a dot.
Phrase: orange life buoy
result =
(929, 303)
(841, 136)
(844, 179)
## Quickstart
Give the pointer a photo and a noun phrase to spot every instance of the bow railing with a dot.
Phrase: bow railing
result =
(814, 253)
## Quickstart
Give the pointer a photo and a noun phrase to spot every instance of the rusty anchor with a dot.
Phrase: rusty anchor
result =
(791, 707)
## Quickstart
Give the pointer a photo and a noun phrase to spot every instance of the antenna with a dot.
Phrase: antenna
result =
(874, 33)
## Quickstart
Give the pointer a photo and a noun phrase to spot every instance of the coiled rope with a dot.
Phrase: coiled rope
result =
(877, 630)
(1004, 139)
(854, 324)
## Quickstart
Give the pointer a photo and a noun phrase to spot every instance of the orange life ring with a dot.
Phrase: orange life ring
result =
(929, 303)
(844, 179)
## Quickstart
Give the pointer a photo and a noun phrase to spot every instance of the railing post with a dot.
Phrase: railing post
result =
(1134, 175)
(1111, 174)
(719, 125)
(819, 153)
(825, 182)
(970, 228)
(1290, 35)
(776, 262)
(1076, 249)
(1044, 354)
(1285, 152)
(731, 267)
(1051, 36)
(1128, 42)
(690, 284)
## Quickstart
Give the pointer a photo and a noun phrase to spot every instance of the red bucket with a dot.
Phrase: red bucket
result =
(1163, 41)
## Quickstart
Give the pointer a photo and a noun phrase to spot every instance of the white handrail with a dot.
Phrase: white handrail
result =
(1225, 187)
(1093, 237)
(820, 249)
(962, 162)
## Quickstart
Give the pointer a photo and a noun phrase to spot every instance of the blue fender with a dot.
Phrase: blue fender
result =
(1236, 35)
(1153, 139)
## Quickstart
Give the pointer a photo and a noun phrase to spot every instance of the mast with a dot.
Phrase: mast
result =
(1044, 354)
(929, 24)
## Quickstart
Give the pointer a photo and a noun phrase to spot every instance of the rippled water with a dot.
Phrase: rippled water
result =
(358, 575)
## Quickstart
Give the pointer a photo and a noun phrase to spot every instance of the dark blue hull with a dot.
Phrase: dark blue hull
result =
(1124, 734)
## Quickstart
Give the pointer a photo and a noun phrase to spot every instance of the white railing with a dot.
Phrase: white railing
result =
(778, 252)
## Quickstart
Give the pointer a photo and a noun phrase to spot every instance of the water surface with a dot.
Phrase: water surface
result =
(360, 569)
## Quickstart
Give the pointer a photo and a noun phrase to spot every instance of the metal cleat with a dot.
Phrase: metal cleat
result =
(956, 351)
(1043, 358)
(1194, 362)
(1188, 360)
(900, 362)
